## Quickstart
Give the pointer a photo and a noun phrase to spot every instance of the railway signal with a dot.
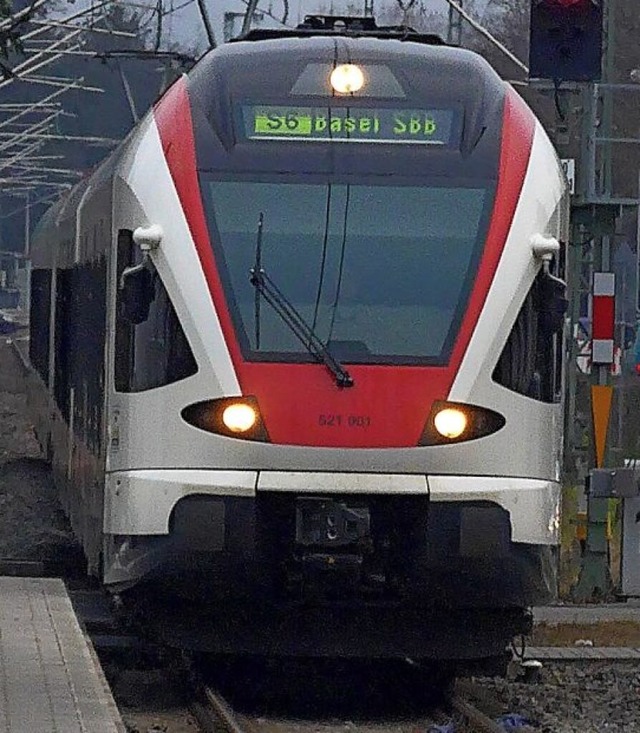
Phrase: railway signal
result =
(566, 40)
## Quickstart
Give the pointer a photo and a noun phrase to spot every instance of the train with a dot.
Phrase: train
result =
(298, 349)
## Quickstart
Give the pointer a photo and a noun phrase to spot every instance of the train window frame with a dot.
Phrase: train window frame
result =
(131, 370)
(543, 380)
(302, 356)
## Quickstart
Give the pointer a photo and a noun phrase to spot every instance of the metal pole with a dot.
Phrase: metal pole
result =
(454, 29)
(637, 290)
(457, 6)
(27, 226)
(607, 97)
(595, 577)
(206, 21)
(588, 142)
(128, 93)
(248, 16)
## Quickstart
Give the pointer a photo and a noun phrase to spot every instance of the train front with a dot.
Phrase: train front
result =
(357, 434)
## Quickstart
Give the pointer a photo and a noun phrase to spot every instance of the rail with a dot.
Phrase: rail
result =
(214, 713)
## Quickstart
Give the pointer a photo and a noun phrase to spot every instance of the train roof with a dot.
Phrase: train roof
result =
(269, 62)
(343, 26)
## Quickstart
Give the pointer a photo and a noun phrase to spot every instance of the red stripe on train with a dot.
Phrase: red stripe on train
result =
(300, 403)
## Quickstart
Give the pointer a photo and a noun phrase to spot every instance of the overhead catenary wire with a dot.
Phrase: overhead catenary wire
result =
(60, 82)
(489, 36)
(30, 148)
(28, 66)
(70, 138)
(21, 15)
(47, 41)
(87, 29)
(51, 51)
(34, 128)
(43, 26)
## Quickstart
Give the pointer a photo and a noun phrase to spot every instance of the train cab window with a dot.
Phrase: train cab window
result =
(151, 349)
(79, 334)
(531, 361)
(380, 273)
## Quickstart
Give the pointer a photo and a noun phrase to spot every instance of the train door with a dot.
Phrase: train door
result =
(88, 367)
(78, 364)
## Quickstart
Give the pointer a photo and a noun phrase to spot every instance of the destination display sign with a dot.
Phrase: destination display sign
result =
(349, 124)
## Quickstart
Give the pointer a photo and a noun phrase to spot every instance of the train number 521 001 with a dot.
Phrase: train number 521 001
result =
(337, 421)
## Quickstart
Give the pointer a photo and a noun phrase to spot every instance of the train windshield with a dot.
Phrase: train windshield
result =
(382, 274)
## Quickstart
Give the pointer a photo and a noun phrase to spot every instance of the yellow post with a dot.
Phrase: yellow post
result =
(601, 396)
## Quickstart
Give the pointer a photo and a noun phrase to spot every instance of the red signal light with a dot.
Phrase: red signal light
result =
(565, 42)
(638, 369)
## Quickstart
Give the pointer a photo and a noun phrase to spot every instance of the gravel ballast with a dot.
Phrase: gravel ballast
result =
(32, 525)
(576, 697)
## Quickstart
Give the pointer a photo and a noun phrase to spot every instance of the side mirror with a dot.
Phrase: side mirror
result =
(137, 293)
(544, 247)
(552, 292)
(136, 288)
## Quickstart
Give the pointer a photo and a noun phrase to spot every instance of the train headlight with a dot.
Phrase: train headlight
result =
(347, 79)
(235, 417)
(239, 417)
(457, 422)
(450, 422)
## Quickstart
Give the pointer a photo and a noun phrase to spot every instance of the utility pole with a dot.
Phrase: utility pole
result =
(252, 6)
(595, 216)
(206, 21)
(569, 41)
(229, 23)
(454, 27)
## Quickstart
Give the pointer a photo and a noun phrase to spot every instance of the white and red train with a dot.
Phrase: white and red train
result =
(298, 348)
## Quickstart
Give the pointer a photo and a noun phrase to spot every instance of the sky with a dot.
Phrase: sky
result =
(183, 24)
(186, 26)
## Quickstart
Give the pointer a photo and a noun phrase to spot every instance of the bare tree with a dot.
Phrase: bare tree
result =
(414, 14)
(508, 21)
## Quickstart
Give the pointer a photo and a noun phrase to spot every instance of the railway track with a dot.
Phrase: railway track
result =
(215, 714)
(475, 720)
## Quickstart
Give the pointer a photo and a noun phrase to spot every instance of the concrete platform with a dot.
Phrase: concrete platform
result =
(594, 613)
(50, 680)
(581, 654)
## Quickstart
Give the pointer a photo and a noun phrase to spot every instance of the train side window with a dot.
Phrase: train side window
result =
(531, 360)
(40, 309)
(151, 349)
(64, 345)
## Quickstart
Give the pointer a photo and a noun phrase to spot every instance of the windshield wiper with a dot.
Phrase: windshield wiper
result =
(266, 288)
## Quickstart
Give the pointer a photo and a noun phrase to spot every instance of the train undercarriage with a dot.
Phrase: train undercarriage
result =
(381, 577)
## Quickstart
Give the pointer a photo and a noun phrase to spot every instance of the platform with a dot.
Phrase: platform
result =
(581, 654)
(594, 613)
(50, 679)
